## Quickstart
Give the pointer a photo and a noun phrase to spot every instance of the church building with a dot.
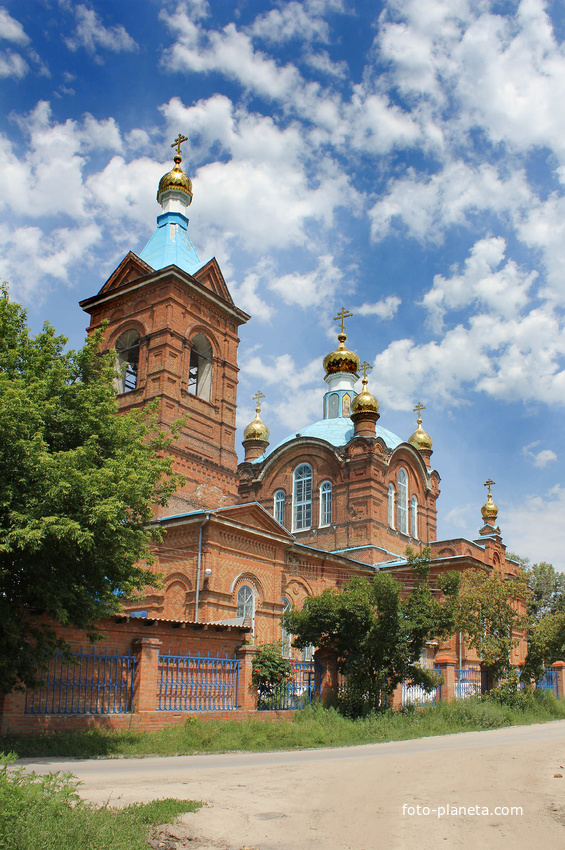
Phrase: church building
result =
(340, 497)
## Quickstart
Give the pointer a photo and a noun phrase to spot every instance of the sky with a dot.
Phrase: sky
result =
(401, 159)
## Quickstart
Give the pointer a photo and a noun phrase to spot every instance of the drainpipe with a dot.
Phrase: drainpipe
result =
(197, 600)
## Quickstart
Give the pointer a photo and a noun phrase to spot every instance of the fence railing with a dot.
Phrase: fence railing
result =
(92, 683)
(197, 683)
(296, 693)
(549, 681)
(468, 683)
(417, 695)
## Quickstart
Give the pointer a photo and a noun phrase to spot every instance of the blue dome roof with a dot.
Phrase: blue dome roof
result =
(336, 432)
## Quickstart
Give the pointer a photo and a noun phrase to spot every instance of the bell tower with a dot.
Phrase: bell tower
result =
(174, 327)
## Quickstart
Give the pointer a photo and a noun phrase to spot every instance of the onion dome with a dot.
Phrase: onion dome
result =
(257, 430)
(342, 360)
(489, 510)
(175, 179)
(420, 439)
(364, 402)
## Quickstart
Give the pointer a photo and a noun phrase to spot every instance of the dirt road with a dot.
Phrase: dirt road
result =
(358, 798)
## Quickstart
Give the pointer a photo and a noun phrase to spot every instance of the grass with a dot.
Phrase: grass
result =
(46, 813)
(313, 727)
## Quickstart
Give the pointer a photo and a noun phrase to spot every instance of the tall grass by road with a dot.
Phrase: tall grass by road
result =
(313, 727)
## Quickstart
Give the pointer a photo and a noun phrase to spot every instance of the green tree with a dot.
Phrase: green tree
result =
(377, 634)
(77, 486)
(489, 610)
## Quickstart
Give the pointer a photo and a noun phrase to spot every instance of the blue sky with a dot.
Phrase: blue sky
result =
(403, 159)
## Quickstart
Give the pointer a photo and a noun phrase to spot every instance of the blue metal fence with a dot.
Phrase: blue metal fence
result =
(549, 681)
(297, 693)
(468, 683)
(416, 695)
(197, 683)
(92, 683)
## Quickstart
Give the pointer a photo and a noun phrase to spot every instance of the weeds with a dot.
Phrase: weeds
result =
(312, 727)
(46, 813)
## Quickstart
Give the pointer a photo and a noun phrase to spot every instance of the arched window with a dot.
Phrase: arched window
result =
(286, 636)
(391, 505)
(402, 501)
(127, 349)
(200, 369)
(326, 503)
(302, 498)
(414, 517)
(333, 406)
(245, 602)
(278, 509)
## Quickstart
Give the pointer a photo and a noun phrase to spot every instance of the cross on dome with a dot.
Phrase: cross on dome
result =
(178, 142)
(364, 367)
(489, 483)
(342, 316)
(258, 397)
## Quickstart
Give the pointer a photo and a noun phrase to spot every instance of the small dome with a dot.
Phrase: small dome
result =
(489, 510)
(341, 360)
(175, 179)
(256, 430)
(364, 402)
(420, 439)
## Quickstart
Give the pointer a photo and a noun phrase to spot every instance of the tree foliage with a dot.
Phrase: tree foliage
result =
(378, 635)
(77, 486)
(489, 611)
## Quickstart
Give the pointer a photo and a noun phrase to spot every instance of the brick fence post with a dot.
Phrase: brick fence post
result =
(560, 667)
(146, 673)
(326, 661)
(446, 664)
(247, 694)
(396, 699)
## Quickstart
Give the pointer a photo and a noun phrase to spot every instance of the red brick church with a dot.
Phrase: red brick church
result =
(342, 496)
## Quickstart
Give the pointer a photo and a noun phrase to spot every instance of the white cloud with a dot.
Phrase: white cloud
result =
(540, 459)
(535, 526)
(503, 290)
(429, 205)
(11, 29)
(385, 309)
(320, 61)
(91, 34)
(12, 65)
(308, 289)
(48, 255)
(292, 21)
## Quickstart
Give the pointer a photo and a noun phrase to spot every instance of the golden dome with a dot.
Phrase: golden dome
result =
(364, 402)
(341, 360)
(257, 430)
(175, 179)
(489, 510)
(420, 439)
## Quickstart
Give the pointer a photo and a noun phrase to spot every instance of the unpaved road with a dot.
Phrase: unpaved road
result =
(353, 798)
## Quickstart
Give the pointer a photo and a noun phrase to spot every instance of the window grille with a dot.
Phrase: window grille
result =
(302, 498)
(279, 506)
(402, 501)
(326, 503)
(127, 349)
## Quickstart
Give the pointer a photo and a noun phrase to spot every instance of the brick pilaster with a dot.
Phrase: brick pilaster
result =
(247, 694)
(560, 667)
(146, 673)
(446, 664)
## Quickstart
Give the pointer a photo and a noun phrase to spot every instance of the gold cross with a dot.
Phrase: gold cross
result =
(178, 142)
(418, 409)
(345, 314)
(488, 483)
(365, 366)
(257, 397)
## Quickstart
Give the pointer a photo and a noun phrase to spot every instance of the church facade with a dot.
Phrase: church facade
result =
(340, 497)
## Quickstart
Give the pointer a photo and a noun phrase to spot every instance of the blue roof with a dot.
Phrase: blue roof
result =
(336, 432)
(171, 245)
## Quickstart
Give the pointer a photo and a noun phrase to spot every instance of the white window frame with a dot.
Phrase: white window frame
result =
(245, 602)
(278, 506)
(414, 517)
(391, 500)
(402, 506)
(302, 498)
(326, 496)
(286, 637)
